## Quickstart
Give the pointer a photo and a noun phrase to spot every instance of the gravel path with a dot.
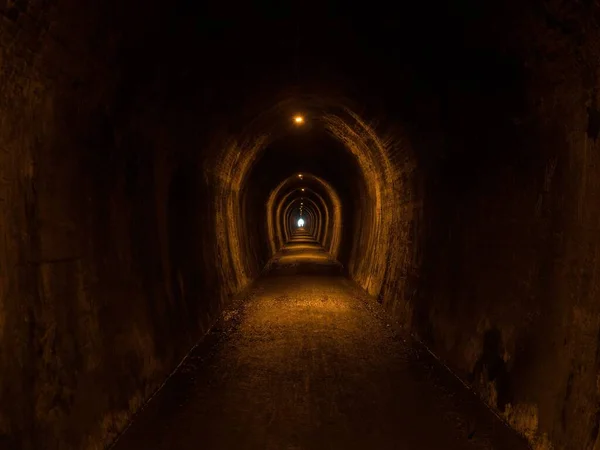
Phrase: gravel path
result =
(306, 361)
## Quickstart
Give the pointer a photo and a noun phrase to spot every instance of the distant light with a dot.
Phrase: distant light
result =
(302, 189)
(298, 120)
(300, 175)
(300, 223)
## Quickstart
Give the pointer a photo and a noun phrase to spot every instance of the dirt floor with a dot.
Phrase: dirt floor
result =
(307, 361)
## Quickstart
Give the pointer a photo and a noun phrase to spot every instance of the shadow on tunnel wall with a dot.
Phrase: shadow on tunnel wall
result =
(505, 253)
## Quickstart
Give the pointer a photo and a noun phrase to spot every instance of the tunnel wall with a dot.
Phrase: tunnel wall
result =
(109, 271)
(382, 250)
(516, 307)
(506, 286)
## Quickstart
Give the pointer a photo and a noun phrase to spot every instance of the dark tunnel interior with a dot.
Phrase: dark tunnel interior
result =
(157, 291)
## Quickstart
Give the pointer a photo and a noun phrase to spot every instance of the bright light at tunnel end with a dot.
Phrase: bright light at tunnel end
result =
(300, 223)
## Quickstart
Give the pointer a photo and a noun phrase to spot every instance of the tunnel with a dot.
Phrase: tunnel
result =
(299, 225)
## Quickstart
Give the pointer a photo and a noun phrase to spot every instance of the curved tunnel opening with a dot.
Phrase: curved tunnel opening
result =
(314, 154)
(327, 216)
(328, 151)
(304, 213)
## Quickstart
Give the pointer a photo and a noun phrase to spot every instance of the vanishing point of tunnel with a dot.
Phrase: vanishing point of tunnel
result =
(299, 225)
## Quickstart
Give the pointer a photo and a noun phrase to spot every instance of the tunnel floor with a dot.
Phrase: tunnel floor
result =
(306, 361)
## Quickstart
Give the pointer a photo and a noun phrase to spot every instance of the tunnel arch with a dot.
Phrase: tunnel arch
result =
(294, 216)
(322, 215)
(332, 222)
(290, 216)
(310, 208)
(296, 209)
(316, 226)
(371, 153)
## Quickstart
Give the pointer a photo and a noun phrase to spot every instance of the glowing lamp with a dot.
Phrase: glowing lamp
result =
(298, 120)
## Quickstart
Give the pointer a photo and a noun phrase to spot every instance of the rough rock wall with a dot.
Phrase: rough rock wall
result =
(101, 295)
(508, 287)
